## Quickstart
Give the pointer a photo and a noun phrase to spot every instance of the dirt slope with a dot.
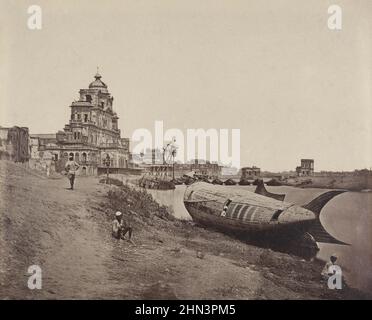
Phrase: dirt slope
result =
(67, 233)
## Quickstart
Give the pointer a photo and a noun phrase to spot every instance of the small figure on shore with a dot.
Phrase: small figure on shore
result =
(117, 226)
(225, 208)
(223, 213)
(47, 169)
(120, 227)
(326, 272)
(71, 167)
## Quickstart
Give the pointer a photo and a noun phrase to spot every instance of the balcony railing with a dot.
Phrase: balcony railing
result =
(87, 162)
(82, 103)
(108, 145)
(79, 121)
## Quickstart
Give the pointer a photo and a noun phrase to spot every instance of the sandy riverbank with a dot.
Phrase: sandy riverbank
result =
(68, 233)
(346, 182)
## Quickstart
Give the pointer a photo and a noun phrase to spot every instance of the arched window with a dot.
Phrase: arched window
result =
(77, 156)
(88, 98)
(71, 155)
(84, 157)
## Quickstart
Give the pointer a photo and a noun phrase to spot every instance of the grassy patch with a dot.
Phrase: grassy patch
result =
(127, 198)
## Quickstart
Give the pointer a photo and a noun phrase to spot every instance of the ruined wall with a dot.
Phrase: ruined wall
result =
(14, 144)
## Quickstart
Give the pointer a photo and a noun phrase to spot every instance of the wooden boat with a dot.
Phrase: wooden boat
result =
(151, 182)
(217, 181)
(255, 182)
(262, 191)
(258, 213)
(244, 182)
(177, 181)
(229, 182)
(274, 182)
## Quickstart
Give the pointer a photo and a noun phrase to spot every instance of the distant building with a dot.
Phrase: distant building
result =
(306, 168)
(198, 167)
(91, 134)
(229, 171)
(250, 172)
(151, 156)
(206, 168)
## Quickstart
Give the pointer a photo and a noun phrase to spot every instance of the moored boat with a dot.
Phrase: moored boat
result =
(258, 213)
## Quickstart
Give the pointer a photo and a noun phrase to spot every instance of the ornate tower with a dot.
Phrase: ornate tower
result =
(93, 121)
(92, 132)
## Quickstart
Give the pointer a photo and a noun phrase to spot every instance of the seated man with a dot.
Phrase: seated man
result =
(120, 226)
(117, 225)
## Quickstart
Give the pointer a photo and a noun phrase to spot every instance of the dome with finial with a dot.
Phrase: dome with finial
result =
(98, 83)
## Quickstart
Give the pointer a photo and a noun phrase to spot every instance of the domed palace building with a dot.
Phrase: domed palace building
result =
(91, 134)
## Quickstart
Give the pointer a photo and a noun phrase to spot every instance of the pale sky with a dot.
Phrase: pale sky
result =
(271, 68)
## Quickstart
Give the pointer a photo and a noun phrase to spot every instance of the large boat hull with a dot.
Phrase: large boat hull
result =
(290, 239)
(258, 215)
(203, 215)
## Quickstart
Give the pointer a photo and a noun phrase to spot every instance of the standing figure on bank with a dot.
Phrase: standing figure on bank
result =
(326, 272)
(71, 168)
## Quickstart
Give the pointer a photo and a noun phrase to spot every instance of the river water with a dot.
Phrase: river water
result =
(348, 217)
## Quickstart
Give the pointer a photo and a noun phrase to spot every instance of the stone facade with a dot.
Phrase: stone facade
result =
(306, 168)
(198, 167)
(91, 134)
(250, 172)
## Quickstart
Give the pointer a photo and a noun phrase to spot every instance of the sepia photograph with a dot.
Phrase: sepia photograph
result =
(177, 150)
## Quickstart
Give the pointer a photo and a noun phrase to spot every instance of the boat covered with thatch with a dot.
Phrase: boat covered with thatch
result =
(258, 213)
(151, 182)
(217, 181)
(230, 182)
(274, 182)
(244, 182)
